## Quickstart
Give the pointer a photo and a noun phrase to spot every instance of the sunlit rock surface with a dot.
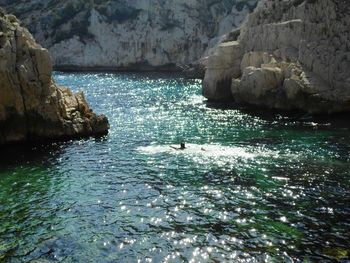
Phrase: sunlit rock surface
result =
(32, 106)
(124, 34)
(289, 55)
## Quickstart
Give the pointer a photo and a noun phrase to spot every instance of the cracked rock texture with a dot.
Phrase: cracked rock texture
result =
(290, 54)
(128, 34)
(32, 106)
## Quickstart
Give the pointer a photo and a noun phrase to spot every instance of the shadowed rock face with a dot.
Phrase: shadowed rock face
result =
(32, 106)
(128, 34)
(290, 54)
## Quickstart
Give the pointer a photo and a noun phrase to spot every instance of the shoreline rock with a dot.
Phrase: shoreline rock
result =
(32, 106)
(134, 68)
(289, 55)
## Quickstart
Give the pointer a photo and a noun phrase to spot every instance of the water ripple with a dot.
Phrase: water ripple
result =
(248, 188)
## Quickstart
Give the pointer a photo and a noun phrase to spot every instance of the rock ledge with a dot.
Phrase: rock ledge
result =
(290, 55)
(32, 106)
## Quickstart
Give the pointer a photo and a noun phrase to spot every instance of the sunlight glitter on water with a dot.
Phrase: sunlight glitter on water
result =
(263, 189)
(205, 150)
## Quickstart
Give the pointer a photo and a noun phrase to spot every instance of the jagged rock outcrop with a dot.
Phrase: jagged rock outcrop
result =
(129, 34)
(291, 54)
(32, 106)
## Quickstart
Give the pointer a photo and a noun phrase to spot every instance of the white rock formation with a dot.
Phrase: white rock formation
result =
(293, 54)
(124, 34)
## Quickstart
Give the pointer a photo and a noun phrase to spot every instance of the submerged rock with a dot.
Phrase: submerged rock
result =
(32, 106)
(289, 55)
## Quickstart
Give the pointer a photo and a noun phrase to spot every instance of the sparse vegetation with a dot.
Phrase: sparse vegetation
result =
(69, 11)
(79, 27)
(119, 13)
(168, 24)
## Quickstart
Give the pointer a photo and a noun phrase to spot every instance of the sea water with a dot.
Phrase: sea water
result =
(250, 186)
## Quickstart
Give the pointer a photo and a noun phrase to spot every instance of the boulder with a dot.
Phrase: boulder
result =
(255, 83)
(221, 67)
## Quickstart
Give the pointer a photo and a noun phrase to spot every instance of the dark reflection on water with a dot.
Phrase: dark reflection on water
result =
(248, 188)
(19, 155)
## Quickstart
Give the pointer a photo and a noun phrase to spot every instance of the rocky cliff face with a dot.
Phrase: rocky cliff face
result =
(129, 34)
(291, 54)
(32, 106)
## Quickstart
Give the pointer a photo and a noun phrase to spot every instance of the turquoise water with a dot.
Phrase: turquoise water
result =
(250, 187)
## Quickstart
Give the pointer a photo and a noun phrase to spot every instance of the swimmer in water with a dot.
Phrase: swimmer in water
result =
(182, 146)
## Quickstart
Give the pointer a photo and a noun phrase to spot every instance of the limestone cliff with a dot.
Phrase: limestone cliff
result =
(32, 106)
(291, 54)
(128, 34)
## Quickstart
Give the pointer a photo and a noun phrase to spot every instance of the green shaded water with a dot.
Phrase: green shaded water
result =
(249, 187)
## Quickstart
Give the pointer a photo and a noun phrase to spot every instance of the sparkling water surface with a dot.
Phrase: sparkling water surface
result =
(248, 188)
